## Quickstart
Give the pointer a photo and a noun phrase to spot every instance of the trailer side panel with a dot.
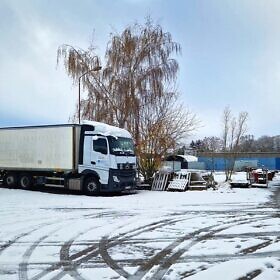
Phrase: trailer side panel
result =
(38, 148)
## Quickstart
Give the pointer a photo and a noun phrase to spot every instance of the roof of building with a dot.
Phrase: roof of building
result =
(182, 158)
(188, 158)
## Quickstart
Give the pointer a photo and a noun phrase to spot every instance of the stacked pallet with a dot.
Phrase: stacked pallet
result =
(181, 181)
(160, 181)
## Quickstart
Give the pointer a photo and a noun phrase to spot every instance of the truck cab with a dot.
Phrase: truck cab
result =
(107, 157)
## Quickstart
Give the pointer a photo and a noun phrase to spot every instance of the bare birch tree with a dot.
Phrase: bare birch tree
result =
(233, 131)
(133, 89)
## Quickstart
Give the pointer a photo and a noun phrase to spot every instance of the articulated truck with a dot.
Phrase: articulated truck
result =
(91, 157)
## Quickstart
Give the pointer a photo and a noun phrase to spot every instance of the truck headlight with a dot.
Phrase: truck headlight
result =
(116, 179)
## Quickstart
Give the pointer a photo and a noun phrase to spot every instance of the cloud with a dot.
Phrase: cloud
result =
(230, 55)
(32, 88)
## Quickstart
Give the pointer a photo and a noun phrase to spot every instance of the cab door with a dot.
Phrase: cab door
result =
(99, 157)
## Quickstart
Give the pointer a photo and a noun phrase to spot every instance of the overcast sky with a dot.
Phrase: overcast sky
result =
(230, 55)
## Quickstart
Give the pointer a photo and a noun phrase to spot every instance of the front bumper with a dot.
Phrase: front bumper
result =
(126, 180)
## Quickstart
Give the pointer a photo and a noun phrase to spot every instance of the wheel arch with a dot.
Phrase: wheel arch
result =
(89, 179)
(85, 174)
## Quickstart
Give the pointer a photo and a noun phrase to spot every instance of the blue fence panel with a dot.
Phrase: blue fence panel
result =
(269, 163)
(277, 163)
(212, 163)
(219, 163)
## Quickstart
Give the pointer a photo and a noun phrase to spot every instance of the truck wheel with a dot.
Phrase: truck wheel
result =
(25, 181)
(11, 180)
(91, 186)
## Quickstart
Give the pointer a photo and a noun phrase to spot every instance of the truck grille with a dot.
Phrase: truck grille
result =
(123, 173)
(126, 166)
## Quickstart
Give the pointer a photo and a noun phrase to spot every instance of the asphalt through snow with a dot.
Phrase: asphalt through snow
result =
(102, 243)
(277, 197)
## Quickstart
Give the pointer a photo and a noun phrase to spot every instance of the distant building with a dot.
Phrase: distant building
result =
(216, 161)
(178, 162)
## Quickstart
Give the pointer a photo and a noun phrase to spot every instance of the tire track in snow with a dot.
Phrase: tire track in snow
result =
(117, 241)
(24, 264)
(103, 248)
(107, 243)
(14, 240)
(165, 264)
(193, 258)
(226, 257)
(66, 261)
(22, 271)
(97, 249)
(254, 248)
(251, 275)
(85, 255)
(38, 227)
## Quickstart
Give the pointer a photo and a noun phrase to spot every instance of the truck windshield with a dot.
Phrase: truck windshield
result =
(121, 146)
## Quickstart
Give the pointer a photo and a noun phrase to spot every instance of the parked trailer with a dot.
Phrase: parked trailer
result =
(92, 157)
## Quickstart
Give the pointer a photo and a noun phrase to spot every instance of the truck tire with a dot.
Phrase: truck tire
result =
(11, 180)
(25, 181)
(91, 186)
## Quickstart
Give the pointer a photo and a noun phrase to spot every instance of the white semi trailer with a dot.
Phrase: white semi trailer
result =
(92, 157)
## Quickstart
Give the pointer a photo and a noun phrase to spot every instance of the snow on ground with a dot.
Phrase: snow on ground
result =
(214, 234)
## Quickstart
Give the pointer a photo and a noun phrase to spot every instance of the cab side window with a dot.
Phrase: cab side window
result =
(100, 146)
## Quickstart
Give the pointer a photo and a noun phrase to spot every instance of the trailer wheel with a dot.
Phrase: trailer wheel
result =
(25, 181)
(11, 180)
(91, 186)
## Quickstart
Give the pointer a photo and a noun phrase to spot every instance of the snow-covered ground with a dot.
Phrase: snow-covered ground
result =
(214, 234)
